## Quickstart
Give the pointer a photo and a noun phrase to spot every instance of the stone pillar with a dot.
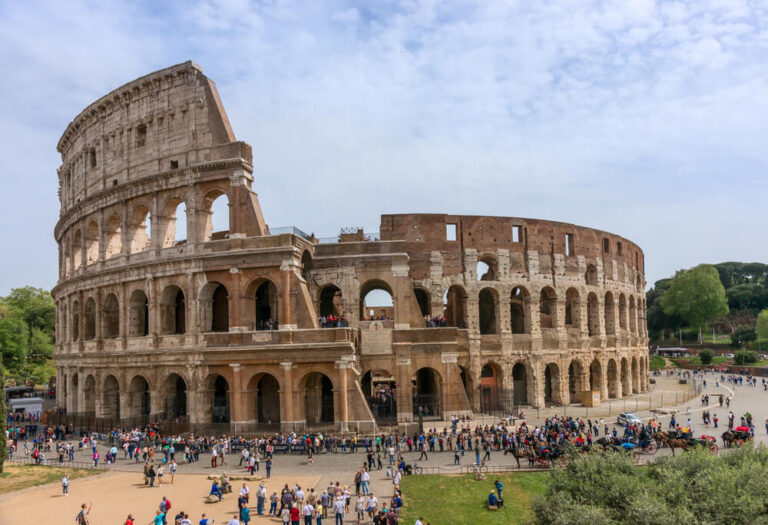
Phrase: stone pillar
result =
(286, 322)
(287, 416)
(236, 394)
(81, 377)
(126, 411)
(404, 393)
(343, 397)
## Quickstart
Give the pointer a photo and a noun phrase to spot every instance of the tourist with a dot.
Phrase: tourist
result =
(65, 485)
(261, 497)
(172, 470)
(309, 512)
(338, 510)
(82, 516)
(268, 466)
(165, 506)
(273, 499)
(234, 520)
(151, 475)
(360, 510)
(205, 521)
(159, 518)
(160, 472)
(295, 515)
(129, 520)
(245, 493)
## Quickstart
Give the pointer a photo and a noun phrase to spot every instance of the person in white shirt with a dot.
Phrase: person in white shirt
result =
(235, 520)
(65, 484)
(308, 512)
(419, 521)
(338, 510)
(245, 492)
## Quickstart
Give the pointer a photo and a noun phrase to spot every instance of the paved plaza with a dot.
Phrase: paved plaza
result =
(123, 490)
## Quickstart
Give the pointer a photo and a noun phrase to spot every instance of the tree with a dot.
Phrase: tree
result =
(762, 324)
(744, 357)
(706, 356)
(743, 335)
(2, 412)
(697, 295)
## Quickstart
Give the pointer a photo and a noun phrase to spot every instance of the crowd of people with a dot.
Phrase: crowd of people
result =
(332, 321)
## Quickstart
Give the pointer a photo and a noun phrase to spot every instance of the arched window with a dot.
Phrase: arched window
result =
(92, 243)
(217, 221)
(90, 319)
(111, 318)
(610, 313)
(266, 306)
(220, 310)
(486, 269)
(174, 222)
(547, 308)
(140, 229)
(590, 277)
(331, 302)
(138, 314)
(455, 307)
(518, 305)
(422, 297)
(593, 314)
(487, 311)
(113, 233)
(77, 249)
(172, 311)
(376, 301)
(572, 308)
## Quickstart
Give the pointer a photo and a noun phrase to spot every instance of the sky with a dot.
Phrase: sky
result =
(646, 119)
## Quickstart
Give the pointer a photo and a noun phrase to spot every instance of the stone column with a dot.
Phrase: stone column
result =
(343, 412)
(287, 415)
(236, 394)
(404, 393)
(285, 321)
(81, 390)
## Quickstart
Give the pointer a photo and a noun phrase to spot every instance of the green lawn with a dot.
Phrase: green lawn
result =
(657, 362)
(459, 499)
(716, 360)
(15, 477)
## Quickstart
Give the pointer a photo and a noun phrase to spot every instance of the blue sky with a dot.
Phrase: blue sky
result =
(647, 119)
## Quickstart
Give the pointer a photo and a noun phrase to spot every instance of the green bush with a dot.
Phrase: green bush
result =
(706, 356)
(742, 336)
(687, 488)
(744, 357)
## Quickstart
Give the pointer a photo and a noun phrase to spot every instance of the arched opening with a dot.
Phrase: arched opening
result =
(610, 313)
(552, 384)
(113, 236)
(318, 399)
(518, 305)
(89, 328)
(216, 206)
(593, 315)
(75, 321)
(486, 269)
(331, 303)
(632, 315)
(266, 307)
(140, 229)
(426, 393)
(466, 381)
(613, 380)
(625, 383)
(138, 314)
(220, 310)
(379, 389)
(172, 311)
(575, 386)
(91, 243)
(175, 396)
(267, 400)
(306, 265)
(138, 399)
(635, 376)
(174, 222)
(110, 399)
(547, 308)
(75, 394)
(520, 384)
(595, 375)
(89, 395)
(422, 297)
(455, 307)
(376, 301)
(572, 308)
(590, 276)
(622, 312)
(110, 318)
(219, 400)
(490, 388)
(487, 311)
(77, 249)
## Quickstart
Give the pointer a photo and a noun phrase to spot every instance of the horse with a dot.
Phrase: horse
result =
(674, 443)
(522, 452)
(606, 442)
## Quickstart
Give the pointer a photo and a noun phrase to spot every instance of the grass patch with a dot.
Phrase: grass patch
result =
(716, 360)
(459, 499)
(16, 477)
(657, 362)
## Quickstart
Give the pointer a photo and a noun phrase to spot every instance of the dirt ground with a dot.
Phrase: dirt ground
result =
(116, 494)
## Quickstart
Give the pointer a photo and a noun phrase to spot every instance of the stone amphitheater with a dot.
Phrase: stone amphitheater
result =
(163, 316)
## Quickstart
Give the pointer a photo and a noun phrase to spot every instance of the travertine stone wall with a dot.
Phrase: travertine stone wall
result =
(225, 326)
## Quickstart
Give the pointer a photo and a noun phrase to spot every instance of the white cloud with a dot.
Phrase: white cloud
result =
(644, 118)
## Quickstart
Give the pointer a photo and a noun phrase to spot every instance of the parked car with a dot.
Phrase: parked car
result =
(628, 418)
(729, 356)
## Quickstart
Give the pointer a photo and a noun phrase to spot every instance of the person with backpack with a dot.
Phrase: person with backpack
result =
(165, 506)
(82, 516)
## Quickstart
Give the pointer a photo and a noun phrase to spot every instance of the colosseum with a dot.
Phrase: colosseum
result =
(163, 317)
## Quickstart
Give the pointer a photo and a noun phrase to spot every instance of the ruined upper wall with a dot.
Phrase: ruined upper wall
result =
(429, 232)
(167, 120)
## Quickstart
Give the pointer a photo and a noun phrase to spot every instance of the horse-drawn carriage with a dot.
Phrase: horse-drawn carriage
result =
(684, 440)
(738, 436)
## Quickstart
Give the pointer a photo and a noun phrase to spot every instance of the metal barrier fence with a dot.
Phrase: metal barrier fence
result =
(25, 460)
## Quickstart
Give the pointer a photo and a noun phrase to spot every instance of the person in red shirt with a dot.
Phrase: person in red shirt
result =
(295, 516)
(129, 520)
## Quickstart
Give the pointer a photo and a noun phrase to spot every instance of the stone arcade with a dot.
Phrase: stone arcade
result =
(160, 317)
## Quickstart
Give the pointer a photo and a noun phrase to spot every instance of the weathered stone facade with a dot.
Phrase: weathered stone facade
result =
(223, 326)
